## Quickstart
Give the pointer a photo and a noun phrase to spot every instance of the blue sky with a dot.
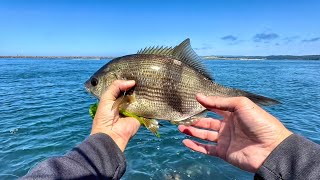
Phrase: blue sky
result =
(215, 27)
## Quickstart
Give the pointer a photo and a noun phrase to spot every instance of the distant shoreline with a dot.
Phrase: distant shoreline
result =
(57, 57)
(273, 57)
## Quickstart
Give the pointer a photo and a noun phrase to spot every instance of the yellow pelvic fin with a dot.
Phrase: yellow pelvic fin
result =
(150, 124)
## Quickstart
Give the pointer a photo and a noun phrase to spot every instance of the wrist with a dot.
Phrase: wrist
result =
(267, 150)
(118, 139)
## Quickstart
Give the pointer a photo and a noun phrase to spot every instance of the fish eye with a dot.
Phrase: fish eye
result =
(94, 81)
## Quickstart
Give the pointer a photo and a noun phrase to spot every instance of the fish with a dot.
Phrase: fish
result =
(167, 80)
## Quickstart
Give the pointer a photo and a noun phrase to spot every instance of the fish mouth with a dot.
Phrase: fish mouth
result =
(90, 93)
(86, 87)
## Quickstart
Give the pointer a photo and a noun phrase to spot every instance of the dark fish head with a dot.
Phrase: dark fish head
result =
(93, 86)
(99, 81)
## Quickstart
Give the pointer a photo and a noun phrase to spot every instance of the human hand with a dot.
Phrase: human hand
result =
(245, 136)
(108, 121)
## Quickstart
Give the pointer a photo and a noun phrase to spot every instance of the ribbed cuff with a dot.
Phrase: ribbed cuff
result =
(295, 158)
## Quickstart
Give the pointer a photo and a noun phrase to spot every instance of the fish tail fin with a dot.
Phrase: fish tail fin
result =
(258, 99)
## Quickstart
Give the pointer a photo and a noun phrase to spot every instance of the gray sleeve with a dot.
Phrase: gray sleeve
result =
(295, 158)
(97, 157)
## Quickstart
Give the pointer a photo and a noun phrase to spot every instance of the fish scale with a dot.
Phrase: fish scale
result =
(149, 89)
(167, 80)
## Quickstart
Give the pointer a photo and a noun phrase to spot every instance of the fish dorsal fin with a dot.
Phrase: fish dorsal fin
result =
(186, 54)
(165, 51)
(183, 52)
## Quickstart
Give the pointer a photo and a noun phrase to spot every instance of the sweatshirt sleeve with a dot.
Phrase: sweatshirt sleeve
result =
(295, 158)
(97, 157)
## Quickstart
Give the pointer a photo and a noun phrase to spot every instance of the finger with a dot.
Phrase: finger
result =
(220, 112)
(199, 133)
(230, 104)
(115, 88)
(208, 123)
(199, 147)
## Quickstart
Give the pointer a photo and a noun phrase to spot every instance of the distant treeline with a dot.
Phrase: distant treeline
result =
(290, 57)
(273, 57)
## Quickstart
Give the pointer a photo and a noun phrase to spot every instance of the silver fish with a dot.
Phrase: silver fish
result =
(167, 80)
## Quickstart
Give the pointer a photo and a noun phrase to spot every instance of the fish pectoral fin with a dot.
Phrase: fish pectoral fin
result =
(118, 102)
(191, 120)
(123, 100)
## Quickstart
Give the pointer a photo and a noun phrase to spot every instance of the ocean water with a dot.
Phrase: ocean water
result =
(44, 113)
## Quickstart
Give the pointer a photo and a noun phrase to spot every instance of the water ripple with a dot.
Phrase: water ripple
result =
(44, 113)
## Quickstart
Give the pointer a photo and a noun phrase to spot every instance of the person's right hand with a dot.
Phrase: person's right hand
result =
(245, 137)
(108, 120)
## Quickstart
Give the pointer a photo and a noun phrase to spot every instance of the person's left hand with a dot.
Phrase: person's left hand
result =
(108, 121)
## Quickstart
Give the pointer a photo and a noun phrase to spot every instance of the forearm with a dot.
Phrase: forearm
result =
(295, 158)
(96, 157)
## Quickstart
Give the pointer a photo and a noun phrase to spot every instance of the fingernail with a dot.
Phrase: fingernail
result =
(201, 95)
(130, 82)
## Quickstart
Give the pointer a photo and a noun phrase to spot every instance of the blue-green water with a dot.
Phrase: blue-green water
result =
(44, 113)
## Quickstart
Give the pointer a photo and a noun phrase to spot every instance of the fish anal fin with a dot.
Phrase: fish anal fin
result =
(191, 120)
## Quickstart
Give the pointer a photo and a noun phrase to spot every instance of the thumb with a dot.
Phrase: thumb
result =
(114, 90)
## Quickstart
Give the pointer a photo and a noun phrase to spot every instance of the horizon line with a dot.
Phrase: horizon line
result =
(95, 56)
